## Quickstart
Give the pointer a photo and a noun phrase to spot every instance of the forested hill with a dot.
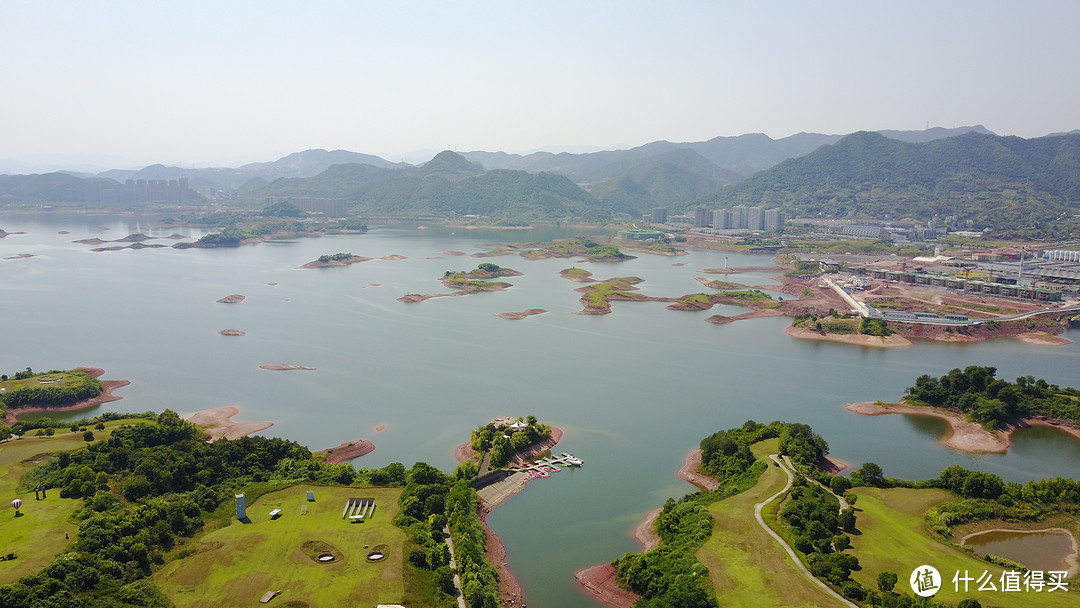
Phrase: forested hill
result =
(447, 185)
(996, 182)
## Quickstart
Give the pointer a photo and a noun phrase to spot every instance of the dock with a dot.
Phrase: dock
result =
(550, 464)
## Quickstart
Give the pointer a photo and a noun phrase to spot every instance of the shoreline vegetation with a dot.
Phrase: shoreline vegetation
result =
(495, 494)
(108, 387)
(833, 543)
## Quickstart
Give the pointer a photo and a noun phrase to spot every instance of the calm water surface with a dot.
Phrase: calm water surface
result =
(634, 390)
(1044, 551)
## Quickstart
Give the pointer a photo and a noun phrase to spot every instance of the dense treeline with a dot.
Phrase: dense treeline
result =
(76, 386)
(431, 502)
(670, 575)
(991, 401)
(984, 496)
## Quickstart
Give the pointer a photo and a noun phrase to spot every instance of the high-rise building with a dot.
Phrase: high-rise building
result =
(739, 216)
(755, 218)
(659, 215)
(774, 220)
(721, 219)
(702, 217)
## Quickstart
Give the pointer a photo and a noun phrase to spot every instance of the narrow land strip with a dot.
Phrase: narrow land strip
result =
(219, 423)
(787, 548)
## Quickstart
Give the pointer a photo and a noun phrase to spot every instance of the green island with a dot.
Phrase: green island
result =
(992, 402)
(55, 388)
(142, 511)
(859, 537)
(590, 248)
(474, 280)
(495, 444)
(279, 220)
(598, 296)
(983, 411)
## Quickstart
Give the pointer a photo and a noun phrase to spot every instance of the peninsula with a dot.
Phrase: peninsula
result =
(982, 412)
(55, 391)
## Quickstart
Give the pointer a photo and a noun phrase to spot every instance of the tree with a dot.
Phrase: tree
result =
(886, 581)
(869, 475)
(88, 436)
(444, 580)
(847, 519)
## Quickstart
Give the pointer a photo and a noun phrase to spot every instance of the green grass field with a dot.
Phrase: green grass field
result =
(748, 567)
(59, 380)
(893, 539)
(39, 535)
(235, 565)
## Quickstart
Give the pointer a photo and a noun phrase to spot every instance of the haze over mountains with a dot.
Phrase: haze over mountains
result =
(967, 172)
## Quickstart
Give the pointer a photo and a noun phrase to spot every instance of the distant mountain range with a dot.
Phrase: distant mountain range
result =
(989, 180)
(967, 172)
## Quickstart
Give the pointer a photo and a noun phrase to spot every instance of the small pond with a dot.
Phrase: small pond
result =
(1044, 550)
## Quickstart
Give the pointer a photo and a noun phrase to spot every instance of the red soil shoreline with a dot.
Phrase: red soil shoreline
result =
(106, 396)
(347, 451)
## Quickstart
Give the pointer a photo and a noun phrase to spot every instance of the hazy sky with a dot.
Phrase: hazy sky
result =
(227, 82)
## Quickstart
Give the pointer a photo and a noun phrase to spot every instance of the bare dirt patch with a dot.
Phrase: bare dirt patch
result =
(599, 582)
(516, 316)
(219, 423)
(893, 341)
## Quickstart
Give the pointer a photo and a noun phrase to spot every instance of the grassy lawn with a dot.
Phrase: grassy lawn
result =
(58, 380)
(39, 535)
(745, 564)
(893, 538)
(235, 565)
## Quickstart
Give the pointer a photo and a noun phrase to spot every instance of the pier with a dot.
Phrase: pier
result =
(549, 464)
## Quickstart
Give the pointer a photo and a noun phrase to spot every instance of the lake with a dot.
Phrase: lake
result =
(634, 390)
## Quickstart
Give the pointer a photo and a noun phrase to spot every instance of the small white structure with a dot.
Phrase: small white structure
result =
(241, 508)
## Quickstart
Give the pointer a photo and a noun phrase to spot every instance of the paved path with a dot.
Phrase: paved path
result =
(791, 552)
(453, 566)
(843, 503)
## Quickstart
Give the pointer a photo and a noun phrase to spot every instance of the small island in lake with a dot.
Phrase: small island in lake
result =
(466, 283)
(983, 411)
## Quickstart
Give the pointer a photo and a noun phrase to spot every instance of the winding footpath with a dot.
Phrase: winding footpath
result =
(791, 552)
(453, 566)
